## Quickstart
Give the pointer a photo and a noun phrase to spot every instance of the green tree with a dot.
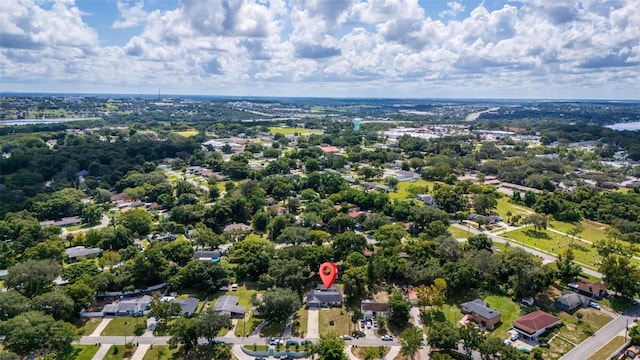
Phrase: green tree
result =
(411, 340)
(50, 249)
(471, 337)
(91, 214)
(73, 272)
(108, 259)
(331, 347)
(483, 204)
(178, 251)
(480, 242)
(12, 303)
(211, 322)
(260, 221)
(55, 303)
(82, 294)
(164, 311)
(399, 309)
(443, 335)
(279, 303)
(185, 332)
(33, 330)
(634, 334)
(620, 275)
(32, 277)
(568, 270)
(200, 275)
(348, 242)
(539, 221)
(138, 221)
(252, 256)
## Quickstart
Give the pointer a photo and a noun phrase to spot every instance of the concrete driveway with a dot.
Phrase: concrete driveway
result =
(312, 324)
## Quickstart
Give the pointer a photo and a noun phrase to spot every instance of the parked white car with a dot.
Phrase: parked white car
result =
(594, 305)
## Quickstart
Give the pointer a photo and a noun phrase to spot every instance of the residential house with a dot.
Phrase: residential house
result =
(570, 301)
(329, 149)
(633, 352)
(595, 290)
(532, 325)
(277, 209)
(372, 309)
(129, 307)
(64, 222)
(203, 255)
(322, 297)
(82, 252)
(3, 273)
(483, 315)
(188, 306)
(237, 227)
(403, 175)
(228, 304)
(427, 200)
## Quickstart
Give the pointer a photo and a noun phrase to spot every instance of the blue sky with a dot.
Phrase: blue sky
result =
(364, 48)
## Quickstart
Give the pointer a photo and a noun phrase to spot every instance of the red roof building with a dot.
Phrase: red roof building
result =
(531, 326)
(329, 149)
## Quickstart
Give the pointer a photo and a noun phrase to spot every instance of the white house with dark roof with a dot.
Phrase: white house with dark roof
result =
(82, 252)
(228, 304)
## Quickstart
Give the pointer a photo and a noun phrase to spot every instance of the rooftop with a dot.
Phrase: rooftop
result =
(229, 303)
(478, 306)
(535, 321)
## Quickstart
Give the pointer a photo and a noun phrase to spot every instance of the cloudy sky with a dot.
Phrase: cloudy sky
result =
(355, 48)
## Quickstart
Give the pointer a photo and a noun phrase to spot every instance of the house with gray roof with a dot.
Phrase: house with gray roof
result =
(322, 297)
(129, 307)
(483, 315)
(570, 301)
(188, 306)
(82, 252)
(228, 304)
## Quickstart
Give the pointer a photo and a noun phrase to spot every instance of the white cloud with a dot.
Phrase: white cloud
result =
(454, 9)
(339, 47)
(130, 15)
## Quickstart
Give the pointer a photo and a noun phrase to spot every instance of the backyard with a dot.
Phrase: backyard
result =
(509, 312)
(334, 320)
(422, 186)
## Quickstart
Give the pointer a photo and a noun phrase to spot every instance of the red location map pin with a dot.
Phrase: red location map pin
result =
(328, 273)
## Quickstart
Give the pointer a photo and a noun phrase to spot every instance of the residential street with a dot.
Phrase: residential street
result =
(603, 336)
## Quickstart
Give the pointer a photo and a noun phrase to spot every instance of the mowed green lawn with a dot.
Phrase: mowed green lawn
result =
(505, 205)
(509, 312)
(293, 130)
(123, 325)
(423, 187)
(84, 352)
(341, 321)
(458, 233)
(160, 352)
(606, 351)
(554, 243)
(593, 231)
(187, 133)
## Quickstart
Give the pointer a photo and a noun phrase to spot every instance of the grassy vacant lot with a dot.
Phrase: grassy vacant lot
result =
(84, 352)
(593, 231)
(458, 233)
(117, 326)
(300, 322)
(290, 131)
(90, 325)
(605, 352)
(505, 205)
(160, 352)
(340, 318)
(116, 352)
(554, 243)
(187, 133)
(403, 188)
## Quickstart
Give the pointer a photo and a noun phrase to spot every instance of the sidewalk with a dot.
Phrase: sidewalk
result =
(103, 324)
(140, 351)
(102, 352)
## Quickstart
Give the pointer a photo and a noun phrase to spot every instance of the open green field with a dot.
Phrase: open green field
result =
(84, 352)
(505, 205)
(90, 325)
(293, 130)
(458, 233)
(554, 243)
(593, 231)
(402, 192)
(341, 321)
(605, 352)
(160, 352)
(121, 326)
(187, 133)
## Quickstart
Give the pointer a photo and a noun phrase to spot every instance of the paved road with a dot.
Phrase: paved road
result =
(499, 239)
(104, 222)
(603, 336)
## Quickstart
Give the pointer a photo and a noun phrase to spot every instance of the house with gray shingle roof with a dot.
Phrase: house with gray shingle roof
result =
(229, 304)
(483, 315)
